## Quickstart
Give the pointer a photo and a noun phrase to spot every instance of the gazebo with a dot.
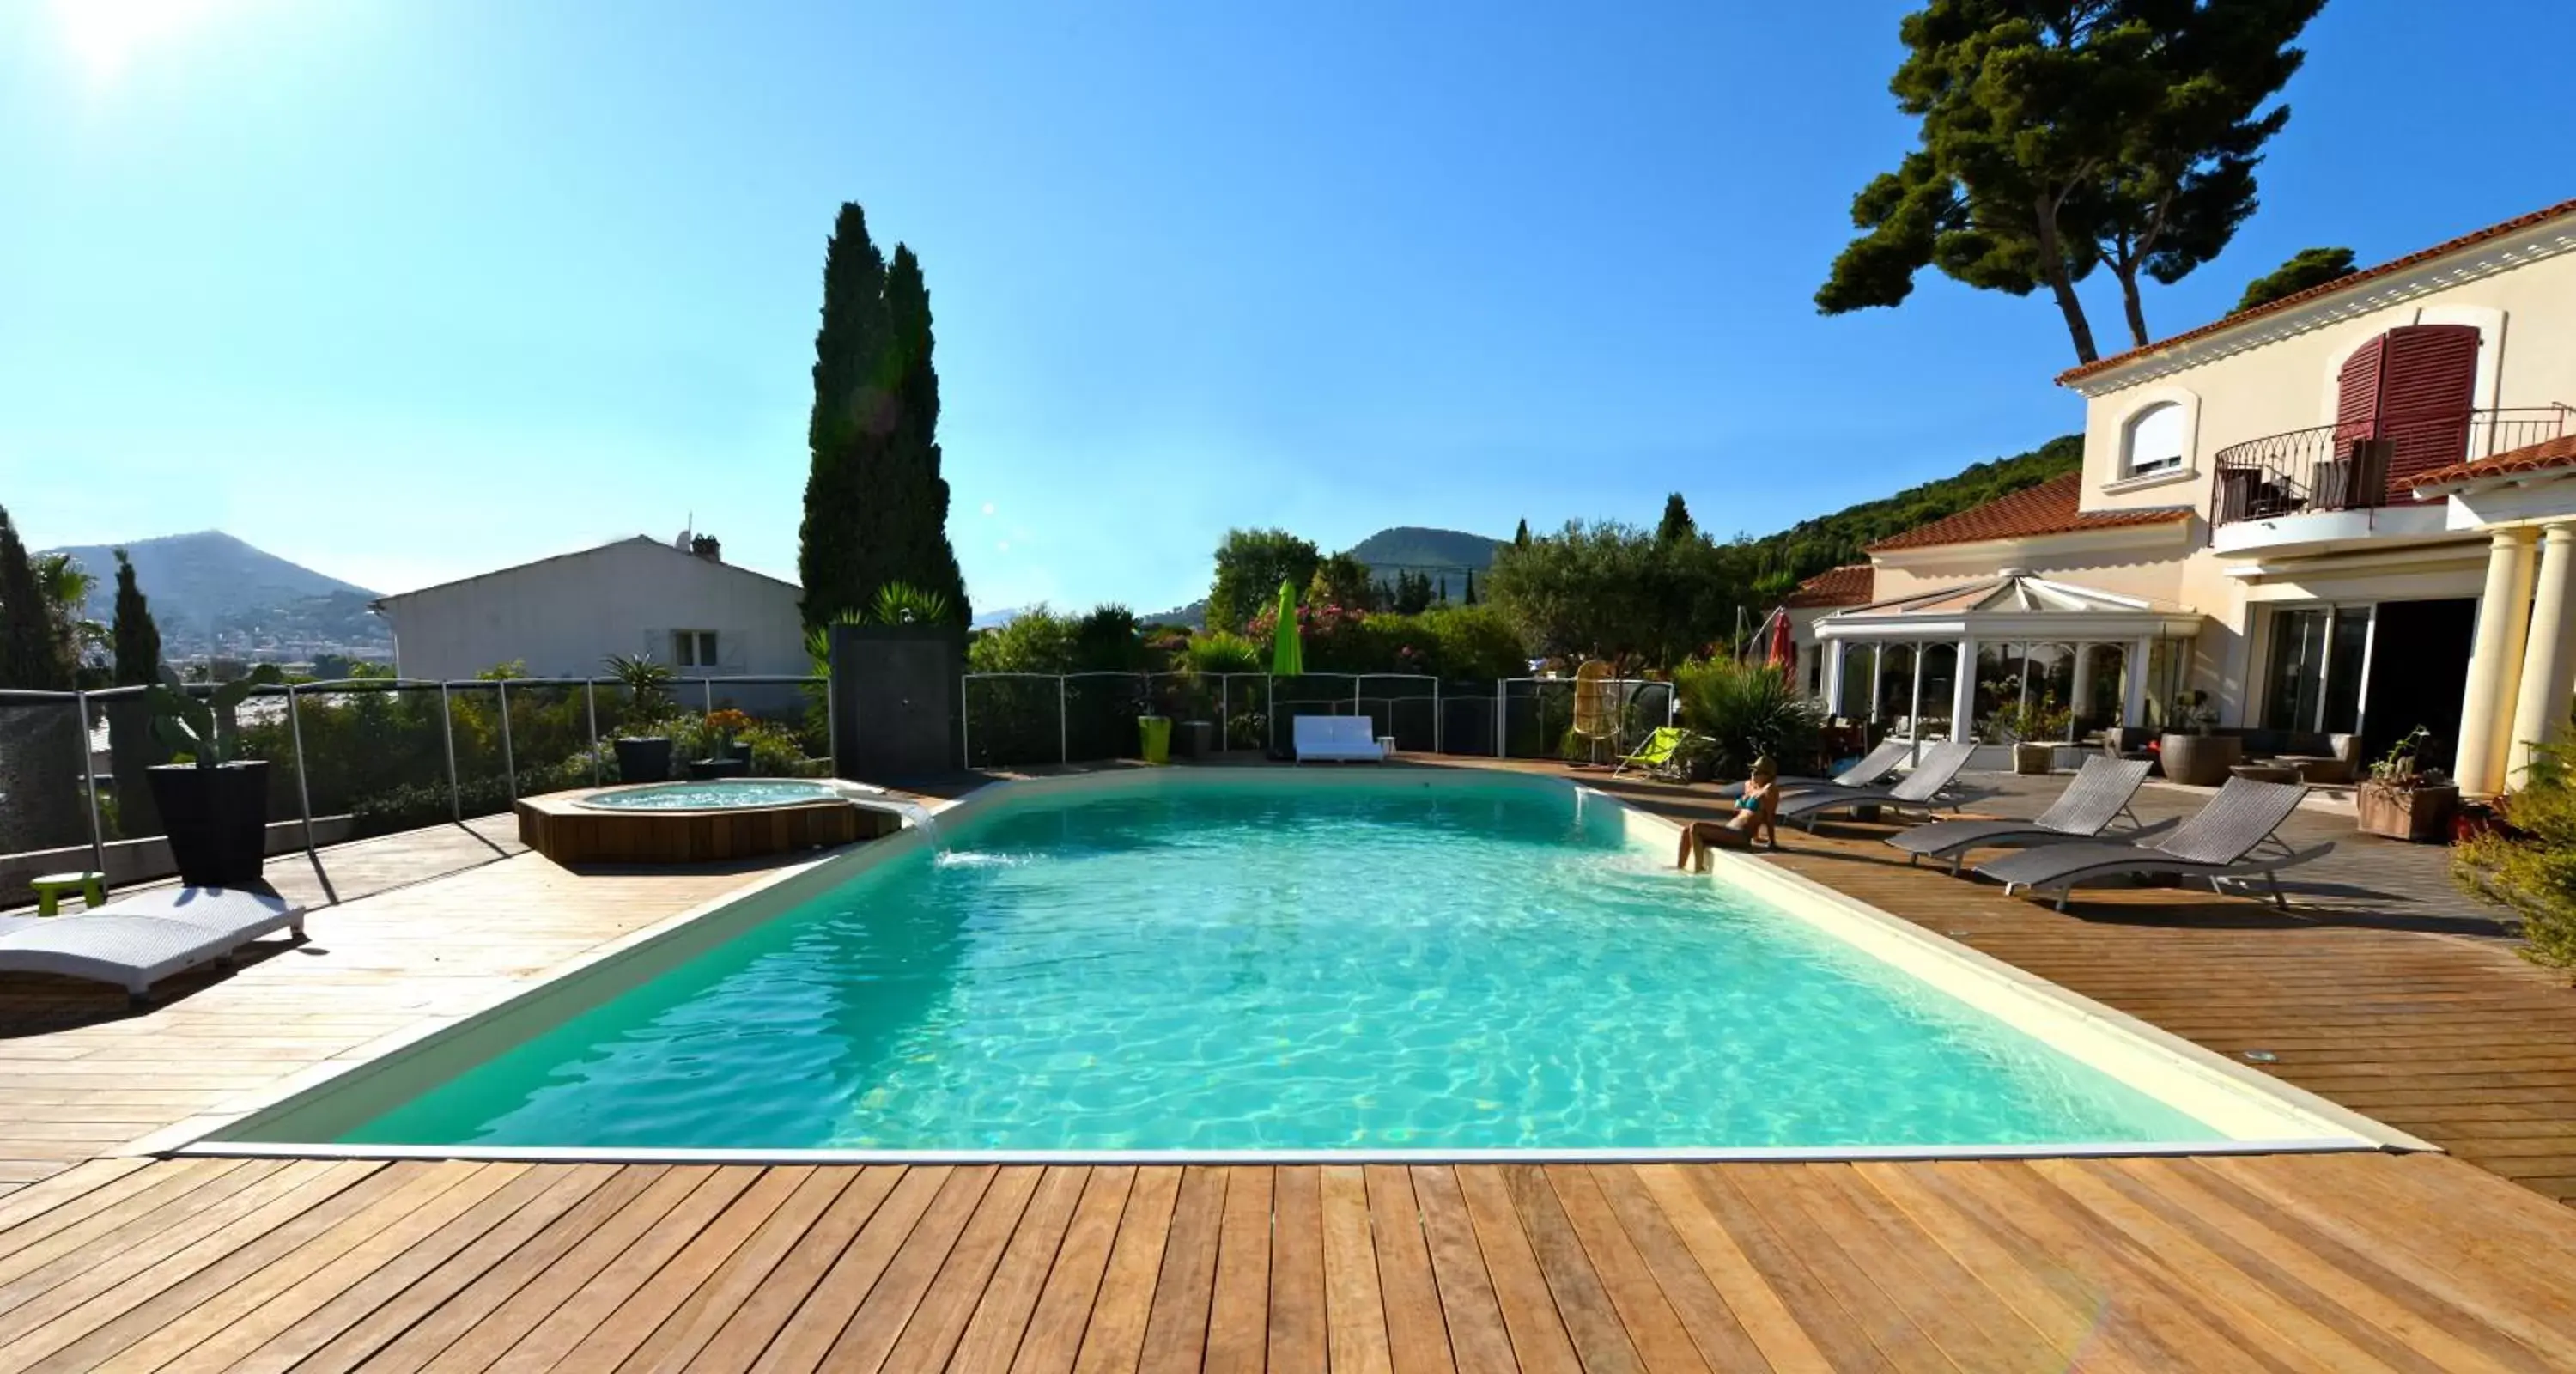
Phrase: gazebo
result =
(2026, 640)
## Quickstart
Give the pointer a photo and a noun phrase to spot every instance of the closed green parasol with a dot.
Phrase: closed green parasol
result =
(1287, 651)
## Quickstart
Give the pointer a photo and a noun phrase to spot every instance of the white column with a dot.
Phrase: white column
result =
(2495, 664)
(1963, 692)
(1877, 665)
(1833, 676)
(2082, 705)
(1914, 700)
(2549, 652)
(2133, 708)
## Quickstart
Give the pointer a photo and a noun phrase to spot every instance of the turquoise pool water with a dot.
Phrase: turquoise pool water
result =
(1266, 967)
(714, 794)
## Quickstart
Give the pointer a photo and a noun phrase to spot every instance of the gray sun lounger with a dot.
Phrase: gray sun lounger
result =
(2231, 840)
(1924, 789)
(2098, 796)
(138, 941)
(1866, 771)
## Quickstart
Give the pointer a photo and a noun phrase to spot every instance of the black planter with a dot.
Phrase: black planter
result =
(217, 819)
(739, 750)
(644, 760)
(702, 770)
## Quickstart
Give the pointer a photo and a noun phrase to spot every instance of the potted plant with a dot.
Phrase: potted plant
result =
(2036, 731)
(213, 806)
(642, 757)
(722, 760)
(2403, 801)
(2188, 752)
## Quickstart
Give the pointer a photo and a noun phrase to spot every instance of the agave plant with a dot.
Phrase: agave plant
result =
(902, 603)
(1748, 710)
(647, 684)
(203, 732)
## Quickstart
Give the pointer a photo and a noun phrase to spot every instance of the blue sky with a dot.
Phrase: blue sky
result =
(405, 291)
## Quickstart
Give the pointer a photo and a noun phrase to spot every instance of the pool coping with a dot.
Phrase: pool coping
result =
(1912, 947)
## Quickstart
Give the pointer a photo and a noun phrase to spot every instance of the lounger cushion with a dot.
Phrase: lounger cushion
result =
(140, 940)
(1335, 738)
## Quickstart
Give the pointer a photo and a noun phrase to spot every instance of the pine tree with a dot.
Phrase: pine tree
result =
(40, 749)
(1677, 521)
(1520, 536)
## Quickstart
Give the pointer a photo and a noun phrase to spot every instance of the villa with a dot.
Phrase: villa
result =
(2297, 510)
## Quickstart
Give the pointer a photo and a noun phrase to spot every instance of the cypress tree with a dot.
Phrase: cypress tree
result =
(1470, 598)
(131, 745)
(1520, 537)
(31, 657)
(852, 417)
(916, 496)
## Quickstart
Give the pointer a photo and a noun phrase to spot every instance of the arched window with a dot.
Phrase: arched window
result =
(2153, 441)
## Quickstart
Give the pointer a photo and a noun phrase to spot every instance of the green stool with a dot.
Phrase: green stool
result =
(50, 888)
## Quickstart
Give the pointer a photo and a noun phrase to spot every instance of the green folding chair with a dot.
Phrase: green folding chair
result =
(1660, 755)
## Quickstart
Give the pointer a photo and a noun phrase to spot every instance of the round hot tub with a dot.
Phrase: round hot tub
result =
(696, 822)
(715, 794)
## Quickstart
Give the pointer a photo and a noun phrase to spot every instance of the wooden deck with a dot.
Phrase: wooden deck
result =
(2347, 1262)
(2315, 1263)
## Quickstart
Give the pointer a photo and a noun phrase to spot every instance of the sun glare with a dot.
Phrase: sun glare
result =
(105, 34)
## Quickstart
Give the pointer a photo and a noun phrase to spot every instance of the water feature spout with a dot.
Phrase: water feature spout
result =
(874, 799)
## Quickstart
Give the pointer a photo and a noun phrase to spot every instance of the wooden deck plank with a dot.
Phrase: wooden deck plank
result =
(1239, 1309)
(1177, 1325)
(1416, 1330)
(1653, 1328)
(675, 1337)
(1774, 1330)
(423, 1278)
(1478, 1340)
(587, 1310)
(1300, 1337)
(861, 1329)
(1063, 1312)
(939, 1320)
(1003, 1307)
(1354, 1309)
(1712, 1327)
(1539, 1338)
(1976, 1331)
(1591, 1320)
(1115, 1338)
(1779, 1268)
(847, 1245)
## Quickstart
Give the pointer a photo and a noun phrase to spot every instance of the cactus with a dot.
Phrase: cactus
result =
(202, 732)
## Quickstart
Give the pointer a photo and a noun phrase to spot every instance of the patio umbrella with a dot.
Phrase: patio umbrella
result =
(1784, 643)
(1287, 651)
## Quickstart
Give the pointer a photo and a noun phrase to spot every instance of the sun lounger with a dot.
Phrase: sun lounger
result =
(1926, 788)
(1336, 739)
(1868, 771)
(2232, 839)
(137, 941)
(1659, 755)
(2098, 796)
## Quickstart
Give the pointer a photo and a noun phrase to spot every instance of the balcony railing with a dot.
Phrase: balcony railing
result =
(2349, 466)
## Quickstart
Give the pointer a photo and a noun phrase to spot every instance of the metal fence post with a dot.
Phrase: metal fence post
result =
(1499, 684)
(1063, 736)
(832, 721)
(1355, 694)
(447, 729)
(965, 722)
(590, 701)
(1270, 712)
(509, 764)
(707, 694)
(1224, 712)
(303, 784)
(1436, 721)
(89, 786)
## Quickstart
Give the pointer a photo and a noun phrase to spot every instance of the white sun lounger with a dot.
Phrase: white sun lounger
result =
(1336, 739)
(138, 941)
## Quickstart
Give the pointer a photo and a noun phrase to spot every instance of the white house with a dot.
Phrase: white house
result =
(563, 616)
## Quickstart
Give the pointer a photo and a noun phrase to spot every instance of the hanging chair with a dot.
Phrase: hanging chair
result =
(1600, 710)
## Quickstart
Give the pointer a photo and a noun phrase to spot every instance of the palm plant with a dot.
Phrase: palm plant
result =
(647, 684)
(1747, 711)
(902, 603)
(66, 587)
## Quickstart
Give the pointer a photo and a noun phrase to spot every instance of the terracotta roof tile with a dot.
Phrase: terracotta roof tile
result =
(2299, 298)
(2049, 508)
(1849, 585)
(2549, 453)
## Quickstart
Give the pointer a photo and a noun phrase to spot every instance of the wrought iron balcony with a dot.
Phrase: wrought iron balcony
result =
(2348, 466)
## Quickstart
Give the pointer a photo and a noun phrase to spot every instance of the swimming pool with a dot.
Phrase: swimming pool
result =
(1280, 963)
(715, 794)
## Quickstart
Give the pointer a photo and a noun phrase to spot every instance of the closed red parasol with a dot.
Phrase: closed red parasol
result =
(1784, 645)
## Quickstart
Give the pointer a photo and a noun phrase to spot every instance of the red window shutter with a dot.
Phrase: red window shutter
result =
(2357, 393)
(2428, 385)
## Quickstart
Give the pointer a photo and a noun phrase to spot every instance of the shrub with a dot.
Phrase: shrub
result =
(1474, 642)
(1748, 710)
(1036, 640)
(1223, 651)
(2528, 866)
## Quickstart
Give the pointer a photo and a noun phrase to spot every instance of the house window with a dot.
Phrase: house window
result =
(694, 648)
(2154, 441)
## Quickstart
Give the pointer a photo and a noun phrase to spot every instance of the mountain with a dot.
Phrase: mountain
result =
(1193, 616)
(1811, 546)
(212, 593)
(994, 620)
(1414, 548)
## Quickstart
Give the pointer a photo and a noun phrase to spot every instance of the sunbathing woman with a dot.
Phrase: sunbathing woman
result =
(1756, 819)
